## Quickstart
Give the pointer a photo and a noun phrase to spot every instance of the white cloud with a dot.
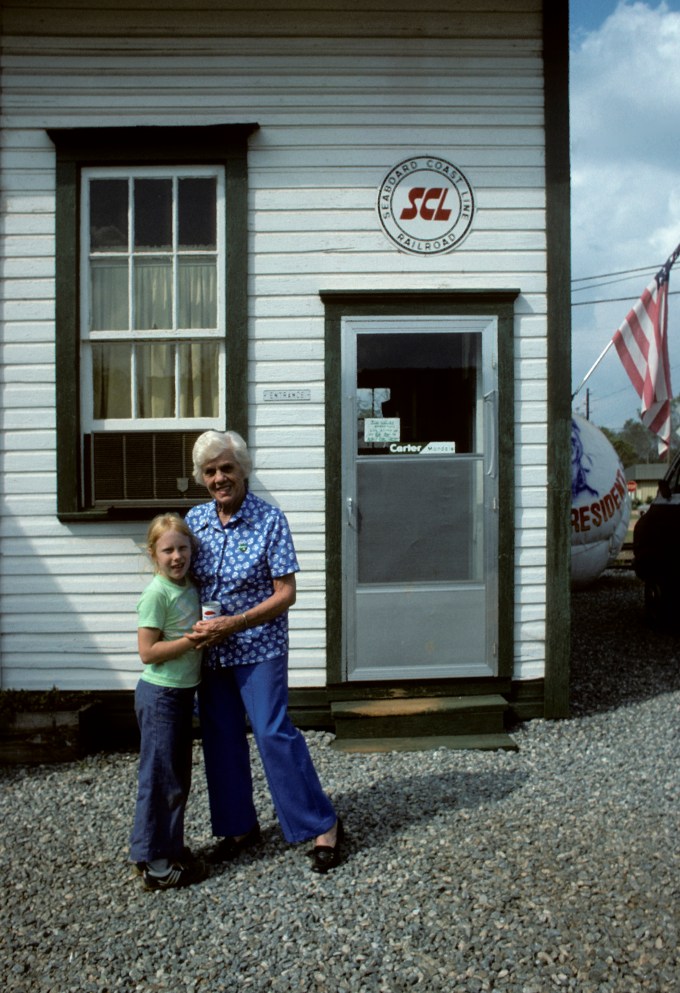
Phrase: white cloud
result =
(625, 134)
(626, 86)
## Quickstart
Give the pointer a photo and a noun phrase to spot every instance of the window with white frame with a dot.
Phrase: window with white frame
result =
(151, 310)
(152, 314)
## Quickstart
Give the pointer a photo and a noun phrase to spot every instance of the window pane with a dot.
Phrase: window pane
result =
(153, 214)
(197, 213)
(443, 542)
(197, 293)
(426, 382)
(153, 294)
(155, 380)
(109, 295)
(199, 379)
(109, 215)
(111, 381)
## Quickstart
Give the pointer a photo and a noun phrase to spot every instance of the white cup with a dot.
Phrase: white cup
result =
(210, 610)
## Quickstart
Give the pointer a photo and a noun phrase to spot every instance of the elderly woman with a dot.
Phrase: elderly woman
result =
(246, 561)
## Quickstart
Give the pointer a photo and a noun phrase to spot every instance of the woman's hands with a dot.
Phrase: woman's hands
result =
(205, 634)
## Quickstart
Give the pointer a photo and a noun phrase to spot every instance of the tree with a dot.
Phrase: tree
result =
(641, 441)
(635, 444)
(625, 451)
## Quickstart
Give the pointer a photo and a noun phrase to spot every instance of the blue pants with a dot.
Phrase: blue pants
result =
(260, 691)
(165, 717)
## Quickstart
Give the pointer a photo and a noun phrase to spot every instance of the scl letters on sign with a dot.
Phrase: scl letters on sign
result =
(438, 213)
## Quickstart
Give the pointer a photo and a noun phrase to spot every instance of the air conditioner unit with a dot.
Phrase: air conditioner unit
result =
(142, 468)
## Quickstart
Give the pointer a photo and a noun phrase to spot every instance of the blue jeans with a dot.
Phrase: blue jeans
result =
(165, 717)
(260, 691)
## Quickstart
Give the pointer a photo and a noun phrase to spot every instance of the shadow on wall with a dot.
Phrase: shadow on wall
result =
(69, 634)
(69, 624)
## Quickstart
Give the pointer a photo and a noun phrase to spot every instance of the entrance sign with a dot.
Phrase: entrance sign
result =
(286, 396)
(426, 205)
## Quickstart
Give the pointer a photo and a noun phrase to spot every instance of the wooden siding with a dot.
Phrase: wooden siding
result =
(334, 118)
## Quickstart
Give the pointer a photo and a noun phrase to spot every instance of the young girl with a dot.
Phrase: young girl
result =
(164, 703)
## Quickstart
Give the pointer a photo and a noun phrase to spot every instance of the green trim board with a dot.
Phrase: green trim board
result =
(558, 249)
(495, 303)
(77, 148)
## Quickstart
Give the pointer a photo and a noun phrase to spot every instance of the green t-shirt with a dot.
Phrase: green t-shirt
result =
(173, 609)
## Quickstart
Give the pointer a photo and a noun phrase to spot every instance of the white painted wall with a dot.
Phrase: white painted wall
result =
(335, 115)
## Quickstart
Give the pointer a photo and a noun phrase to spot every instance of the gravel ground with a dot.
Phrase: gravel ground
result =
(551, 868)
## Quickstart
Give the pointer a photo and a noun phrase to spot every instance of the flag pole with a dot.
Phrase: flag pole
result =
(594, 366)
(670, 262)
(672, 259)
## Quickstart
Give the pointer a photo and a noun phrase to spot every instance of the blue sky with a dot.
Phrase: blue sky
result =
(625, 135)
(588, 15)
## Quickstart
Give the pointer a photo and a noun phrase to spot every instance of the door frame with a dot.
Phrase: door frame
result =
(456, 649)
(498, 304)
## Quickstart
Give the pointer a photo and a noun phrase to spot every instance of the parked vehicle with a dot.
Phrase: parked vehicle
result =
(656, 550)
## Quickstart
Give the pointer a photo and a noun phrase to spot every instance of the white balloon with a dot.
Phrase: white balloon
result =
(600, 503)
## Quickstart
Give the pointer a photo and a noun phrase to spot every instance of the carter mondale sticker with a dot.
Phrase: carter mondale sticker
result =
(426, 205)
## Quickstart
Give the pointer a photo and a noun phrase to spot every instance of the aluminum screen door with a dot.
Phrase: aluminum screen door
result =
(420, 571)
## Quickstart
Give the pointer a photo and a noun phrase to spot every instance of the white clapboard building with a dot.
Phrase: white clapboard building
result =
(342, 230)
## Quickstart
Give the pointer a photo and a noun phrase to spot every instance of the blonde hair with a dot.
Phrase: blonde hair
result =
(167, 522)
(211, 444)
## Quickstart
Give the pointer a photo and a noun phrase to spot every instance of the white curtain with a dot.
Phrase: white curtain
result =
(197, 293)
(109, 295)
(160, 372)
(111, 378)
(155, 379)
(153, 294)
(199, 379)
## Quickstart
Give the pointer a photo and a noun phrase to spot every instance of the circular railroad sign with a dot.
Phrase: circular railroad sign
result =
(425, 205)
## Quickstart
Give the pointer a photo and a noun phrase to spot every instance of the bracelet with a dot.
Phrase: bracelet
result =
(245, 621)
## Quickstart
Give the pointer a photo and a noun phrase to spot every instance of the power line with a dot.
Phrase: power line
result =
(620, 272)
(586, 303)
(603, 282)
(608, 396)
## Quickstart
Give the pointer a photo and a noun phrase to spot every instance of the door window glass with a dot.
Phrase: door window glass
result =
(422, 386)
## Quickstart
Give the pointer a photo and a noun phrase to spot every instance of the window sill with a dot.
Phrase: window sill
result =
(125, 512)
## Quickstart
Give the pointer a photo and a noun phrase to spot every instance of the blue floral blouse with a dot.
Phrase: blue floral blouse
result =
(235, 565)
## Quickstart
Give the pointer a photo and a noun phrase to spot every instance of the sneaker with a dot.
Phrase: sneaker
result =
(178, 875)
(186, 856)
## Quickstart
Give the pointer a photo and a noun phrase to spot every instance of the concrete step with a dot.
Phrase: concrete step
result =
(416, 717)
(484, 742)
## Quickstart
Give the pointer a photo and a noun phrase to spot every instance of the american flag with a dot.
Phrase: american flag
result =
(642, 344)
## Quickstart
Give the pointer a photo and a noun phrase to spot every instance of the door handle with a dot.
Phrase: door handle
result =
(492, 433)
(349, 506)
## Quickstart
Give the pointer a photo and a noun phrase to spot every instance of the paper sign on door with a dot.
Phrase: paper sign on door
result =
(382, 429)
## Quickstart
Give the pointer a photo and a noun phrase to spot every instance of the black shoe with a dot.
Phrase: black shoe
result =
(327, 857)
(178, 875)
(231, 848)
